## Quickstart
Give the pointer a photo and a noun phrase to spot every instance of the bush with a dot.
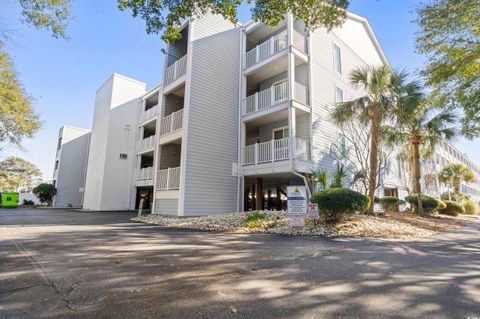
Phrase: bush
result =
(28, 202)
(45, 192)
(453, 208)
(336, 203)
(390, 203)
(254, 219)
(441, 205)
(428, 203)
(471, 208)
(455, 197)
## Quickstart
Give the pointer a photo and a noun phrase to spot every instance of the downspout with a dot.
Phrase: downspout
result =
(309, 193)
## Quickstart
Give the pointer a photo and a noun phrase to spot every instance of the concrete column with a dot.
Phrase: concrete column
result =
(259, 194)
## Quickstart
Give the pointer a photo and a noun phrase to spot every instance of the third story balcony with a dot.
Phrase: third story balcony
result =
(149, 114)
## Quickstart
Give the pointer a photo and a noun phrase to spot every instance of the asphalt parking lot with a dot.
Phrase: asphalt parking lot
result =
(69, 264)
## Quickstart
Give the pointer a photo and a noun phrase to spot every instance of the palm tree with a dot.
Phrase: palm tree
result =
(419, 127)
(456, 173)
(382, 86)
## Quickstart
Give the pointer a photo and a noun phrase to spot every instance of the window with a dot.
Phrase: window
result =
(337, 59)
(56, 164)
(280, 133)
(123, 156)
(338, 95)
(59, 143)
(342, 149)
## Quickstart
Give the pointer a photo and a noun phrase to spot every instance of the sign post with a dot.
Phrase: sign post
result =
(297, 205)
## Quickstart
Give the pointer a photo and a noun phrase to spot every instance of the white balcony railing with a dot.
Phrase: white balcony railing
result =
(176, 70)
(171, 123)
(168, 179)
(150, 113)
(266, 49)
(299, 42)
(274, 150)
(144, 174)
(274, 95)
(146, 143)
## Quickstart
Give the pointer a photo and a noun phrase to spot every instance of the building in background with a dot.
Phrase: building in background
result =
(243, 113)
(70, 166)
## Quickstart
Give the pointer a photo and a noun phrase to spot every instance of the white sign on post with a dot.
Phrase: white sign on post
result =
(297, 205)
(312, 212)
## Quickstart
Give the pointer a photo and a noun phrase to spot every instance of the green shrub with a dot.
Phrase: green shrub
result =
(390, 203)
(441, 205)
(453, 208)
(336, 203)
(471, 208)
(255, 218)
(455, 197)
(28, 202)
(428, 203)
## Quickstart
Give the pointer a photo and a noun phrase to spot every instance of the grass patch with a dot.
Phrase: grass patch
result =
(255, 219)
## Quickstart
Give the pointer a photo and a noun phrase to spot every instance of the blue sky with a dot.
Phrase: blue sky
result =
(62, 76)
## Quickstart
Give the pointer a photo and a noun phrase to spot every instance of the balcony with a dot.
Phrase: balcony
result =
(146, 143)
(275, 150)
(149, 114)
(273, 96)
(272, 46)
(144, 177)
(171, 123)
(168, 179)
(175, 71)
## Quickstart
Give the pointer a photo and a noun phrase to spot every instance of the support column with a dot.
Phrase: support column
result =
(292, 127)
(259, 194)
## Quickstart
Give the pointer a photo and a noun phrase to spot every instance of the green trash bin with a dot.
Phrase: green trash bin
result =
(10, 200)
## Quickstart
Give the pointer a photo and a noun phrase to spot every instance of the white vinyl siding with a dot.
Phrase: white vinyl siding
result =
(213, 114)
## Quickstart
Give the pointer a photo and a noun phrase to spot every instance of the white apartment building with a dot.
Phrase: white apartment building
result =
(70, 166)
(242, 113)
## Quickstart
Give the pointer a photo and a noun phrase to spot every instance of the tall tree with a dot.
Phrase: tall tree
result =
(16, 173)
(454, 174)
(166, 16)
(382, 86)
(419, 127)
(17, 118)
(449, 36)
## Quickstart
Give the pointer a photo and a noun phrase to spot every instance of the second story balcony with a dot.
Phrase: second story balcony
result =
(175, 71)
(168, 179)
(275, 150)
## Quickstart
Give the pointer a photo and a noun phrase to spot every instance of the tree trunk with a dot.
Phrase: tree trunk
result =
(373, 161)
(416, 173)
(456, 184)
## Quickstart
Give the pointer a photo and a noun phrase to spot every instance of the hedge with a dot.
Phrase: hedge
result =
(390, 203)
(336, 203)
(453, 208)
(428, 203)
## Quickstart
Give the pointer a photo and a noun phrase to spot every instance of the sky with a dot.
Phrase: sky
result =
(62, 76)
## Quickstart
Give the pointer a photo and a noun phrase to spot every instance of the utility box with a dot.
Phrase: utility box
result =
(9, 200)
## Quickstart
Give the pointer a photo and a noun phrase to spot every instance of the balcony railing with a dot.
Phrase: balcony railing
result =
(168, 179)
(266, 49)
(146, 143)
(299, 42)
(176, 70)
(171, 123)
(274, 150)
(150, 113)
(144, 174)
(274, 95)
